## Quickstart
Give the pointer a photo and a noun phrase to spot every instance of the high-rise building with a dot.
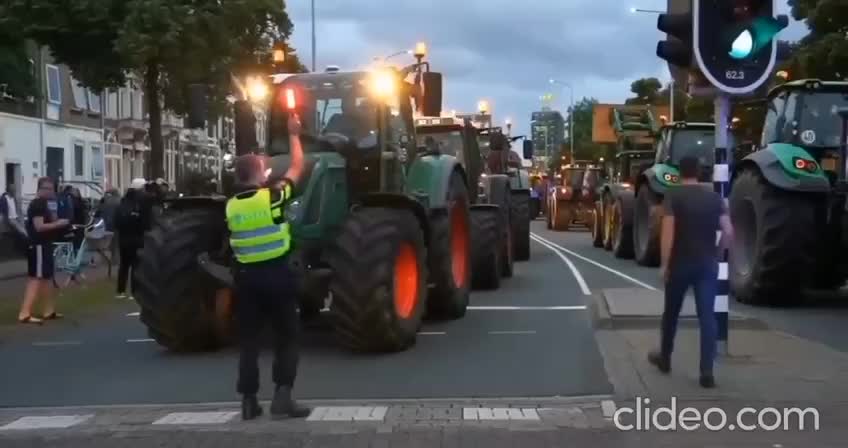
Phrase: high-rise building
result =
(547, 131)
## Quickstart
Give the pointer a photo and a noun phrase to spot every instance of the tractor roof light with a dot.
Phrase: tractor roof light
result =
(420, 50)
(383, 84)
(257, 89)
(278, 54)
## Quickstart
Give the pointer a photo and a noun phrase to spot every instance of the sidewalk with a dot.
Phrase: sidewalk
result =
(12, 269)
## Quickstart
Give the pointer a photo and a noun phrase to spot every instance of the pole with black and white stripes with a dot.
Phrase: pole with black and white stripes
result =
(721, 183)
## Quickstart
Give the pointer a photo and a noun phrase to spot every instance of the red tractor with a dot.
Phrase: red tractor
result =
(571, 199)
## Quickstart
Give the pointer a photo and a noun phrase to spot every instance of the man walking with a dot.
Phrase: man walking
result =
(261, 239)
(131, 224)
(42, 228)
(689, 258)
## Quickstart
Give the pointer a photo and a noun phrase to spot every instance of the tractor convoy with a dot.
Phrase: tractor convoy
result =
(388, 227)
(788, 197)
(572, 198)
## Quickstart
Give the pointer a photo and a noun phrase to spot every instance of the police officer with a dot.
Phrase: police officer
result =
(261, 239)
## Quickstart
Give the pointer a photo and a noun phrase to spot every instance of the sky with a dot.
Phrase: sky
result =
(504, 51)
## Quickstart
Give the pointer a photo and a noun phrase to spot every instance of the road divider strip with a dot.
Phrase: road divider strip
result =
(595, 263)
(579, 277)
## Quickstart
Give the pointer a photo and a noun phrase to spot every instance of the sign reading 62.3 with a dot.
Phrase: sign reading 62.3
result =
(734, 74)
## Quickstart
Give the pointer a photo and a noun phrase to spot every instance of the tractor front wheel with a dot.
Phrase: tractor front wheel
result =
(183, 310)
(379, 281)
(597, 225)
(485, 244)
(519, 219)
(450, 255)
(774, 248)
(646, 227)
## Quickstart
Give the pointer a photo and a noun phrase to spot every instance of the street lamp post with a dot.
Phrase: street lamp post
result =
(313, 36)
(570, 113)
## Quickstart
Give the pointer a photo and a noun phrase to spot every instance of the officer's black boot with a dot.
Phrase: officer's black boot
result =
(250, 408)
(283, 405)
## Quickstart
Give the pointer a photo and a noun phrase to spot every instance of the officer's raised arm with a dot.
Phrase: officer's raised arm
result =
(295, 170)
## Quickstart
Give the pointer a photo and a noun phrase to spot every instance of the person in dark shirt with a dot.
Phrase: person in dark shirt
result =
(131, 222)
(43, 227)
(692, 215)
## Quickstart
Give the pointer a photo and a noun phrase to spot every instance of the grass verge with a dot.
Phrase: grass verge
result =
(73, 302)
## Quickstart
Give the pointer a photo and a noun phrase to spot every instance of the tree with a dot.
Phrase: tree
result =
(584, 147)
(166, 44)
(647, 91)
(823, 53)
(15, 69)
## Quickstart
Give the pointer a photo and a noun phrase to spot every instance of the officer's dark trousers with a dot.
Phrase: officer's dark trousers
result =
(265, 292)
(702, 278)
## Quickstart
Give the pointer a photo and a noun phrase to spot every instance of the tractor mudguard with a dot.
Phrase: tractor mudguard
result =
(661, 176)
(777, 163)
(483, 207)
(394, 200)
(429, 177)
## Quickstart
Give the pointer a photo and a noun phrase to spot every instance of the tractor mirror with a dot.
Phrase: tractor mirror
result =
(528, 149)
(245, 127)
(432, 99)
(197, 106)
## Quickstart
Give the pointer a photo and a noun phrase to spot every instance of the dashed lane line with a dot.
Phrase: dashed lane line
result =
(432, 333)
(135, 314)
(514, 332)
(577, 275)
(595, 263)
(135, 341)
(56, 343)
(527, 308)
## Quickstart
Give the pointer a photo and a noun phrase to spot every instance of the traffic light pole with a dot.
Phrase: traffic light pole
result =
(721, 183)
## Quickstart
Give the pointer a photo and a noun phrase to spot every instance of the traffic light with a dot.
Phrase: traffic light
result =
(734, 42)
(676, 49)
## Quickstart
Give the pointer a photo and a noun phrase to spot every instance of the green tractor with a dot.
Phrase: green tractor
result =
(382, 231)
(631, 211)
(491, 255)
(788, 198)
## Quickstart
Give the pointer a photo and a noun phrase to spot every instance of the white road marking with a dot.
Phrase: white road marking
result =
(135, 314)
(432, 333)
(56, 343)
(348, 413)
(196, 418)
(131, 341)
(499, 414)
(580, 280)
(514, 332)
(602, 266)
(608, 408)
(528, 308)
(46, 422)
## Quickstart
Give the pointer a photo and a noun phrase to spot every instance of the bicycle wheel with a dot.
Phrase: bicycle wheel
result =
(66, 269)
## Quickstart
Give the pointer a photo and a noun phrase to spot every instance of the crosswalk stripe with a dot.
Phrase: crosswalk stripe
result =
(196, 418)
(46, 422)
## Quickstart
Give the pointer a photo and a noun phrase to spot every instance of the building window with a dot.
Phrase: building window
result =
(112, 104)
(97, 162)
(54, 86)
(137, 109)
(79, 162)
(126, 103)
(79, 94)
(93, 101)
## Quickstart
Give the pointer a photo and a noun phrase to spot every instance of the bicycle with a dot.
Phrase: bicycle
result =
(72, 263)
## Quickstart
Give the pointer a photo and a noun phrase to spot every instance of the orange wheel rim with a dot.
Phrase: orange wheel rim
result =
(459, 245)
(406, 280)
(223, 306)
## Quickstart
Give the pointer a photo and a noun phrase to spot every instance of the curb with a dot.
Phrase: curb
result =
(603, 320)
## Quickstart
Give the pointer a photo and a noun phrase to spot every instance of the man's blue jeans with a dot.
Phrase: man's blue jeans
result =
(702, 278)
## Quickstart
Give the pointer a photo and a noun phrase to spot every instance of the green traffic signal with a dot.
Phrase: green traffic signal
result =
(755, 36)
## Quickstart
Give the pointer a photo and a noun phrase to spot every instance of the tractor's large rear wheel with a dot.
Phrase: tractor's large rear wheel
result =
(520, 222)
(646, 227)
(450, 255)
(774, 247)
(379, 282)
(499, 194)
(562, 215)
(598, 224)
(485, 248)
(182, 309)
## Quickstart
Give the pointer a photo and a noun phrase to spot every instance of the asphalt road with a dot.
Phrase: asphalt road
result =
(490, 353)
(820, 318)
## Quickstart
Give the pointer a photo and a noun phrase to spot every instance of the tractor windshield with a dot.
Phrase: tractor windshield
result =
(819, 124)
(444, 140)
(326, 105)
(698, 143)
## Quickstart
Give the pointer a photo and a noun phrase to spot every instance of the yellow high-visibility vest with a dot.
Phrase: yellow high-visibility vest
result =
(258, 228)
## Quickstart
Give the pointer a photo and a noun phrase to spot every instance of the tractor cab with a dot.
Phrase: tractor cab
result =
(366, 117)
(681, 139)
(452, 136)
(804, 114)
(578, 180)
(629, 165)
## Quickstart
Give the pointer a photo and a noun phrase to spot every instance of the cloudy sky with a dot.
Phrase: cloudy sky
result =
(501, 50)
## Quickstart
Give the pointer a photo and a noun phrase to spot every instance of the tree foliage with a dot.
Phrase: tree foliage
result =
(646, 91)
(163, 44)
(584, 147)
(823, 53)
(16, 72)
